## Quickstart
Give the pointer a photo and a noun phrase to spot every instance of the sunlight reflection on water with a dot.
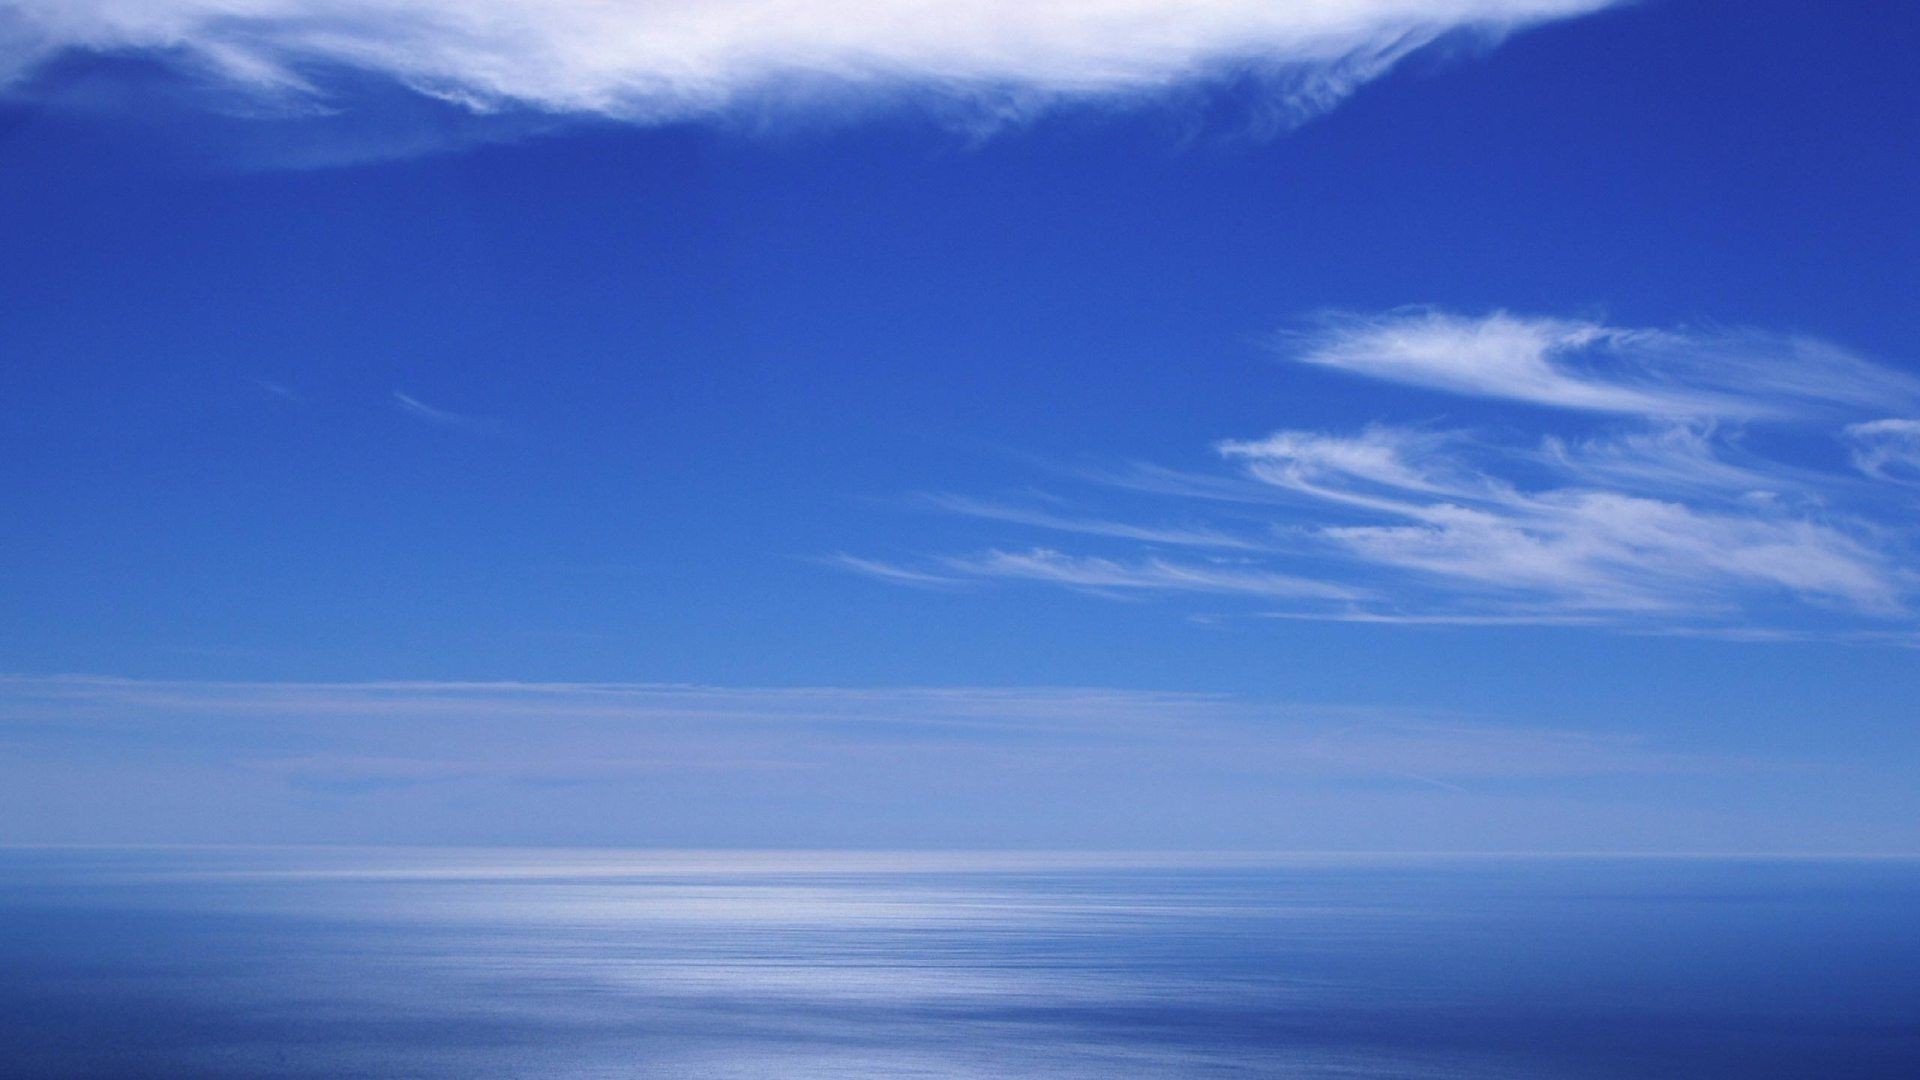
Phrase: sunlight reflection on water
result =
(450, 963)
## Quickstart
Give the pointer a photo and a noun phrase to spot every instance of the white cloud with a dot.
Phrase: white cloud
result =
(1601, 550)
(1145, 575)
(1668, 459)
(95, 759)
(1646, 500)
(1588, 545)
(1196, 536)
(418, 409)
(1353, 469)
(368, 736)
(1589, 366)
(885, 571)
(661, 60)
(1887, 449)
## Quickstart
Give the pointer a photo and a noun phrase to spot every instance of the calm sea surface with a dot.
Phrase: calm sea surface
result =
(442, 963)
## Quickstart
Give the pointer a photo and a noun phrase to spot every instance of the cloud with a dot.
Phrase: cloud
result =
(1581, 546)
(1887, 449)
(1380, 458)
(1086, 572)
(418, 409)
(889, 572)
(362, 737)
(1584, 365)
(93, 759)
(1195, 536)
(654, 61)
(1603, 551)
(475, 707)
(1667, 490)
(1692, 459)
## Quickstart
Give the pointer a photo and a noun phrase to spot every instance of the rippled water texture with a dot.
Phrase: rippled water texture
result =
(554, 964)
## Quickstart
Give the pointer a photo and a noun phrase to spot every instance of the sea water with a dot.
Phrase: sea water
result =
(463, 963)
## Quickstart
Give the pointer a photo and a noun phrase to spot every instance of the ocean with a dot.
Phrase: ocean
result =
(324, 962)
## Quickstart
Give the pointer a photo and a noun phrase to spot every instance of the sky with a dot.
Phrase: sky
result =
(1356, 424)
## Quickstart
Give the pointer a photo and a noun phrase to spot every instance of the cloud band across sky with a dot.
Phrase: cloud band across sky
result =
(653, 61)
(1729, 482)
(87, 758)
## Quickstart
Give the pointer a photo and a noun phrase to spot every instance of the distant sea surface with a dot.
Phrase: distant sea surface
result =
(453, 963)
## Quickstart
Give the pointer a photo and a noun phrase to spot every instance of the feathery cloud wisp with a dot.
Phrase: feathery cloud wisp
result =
(418, 409)
(706, 766)
(651, 61)
(1589, 366)
(1639, 501)
(1152, 574)
(352, 736)
(1887, 449)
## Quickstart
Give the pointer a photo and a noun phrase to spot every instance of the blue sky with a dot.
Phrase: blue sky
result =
(1381, 423)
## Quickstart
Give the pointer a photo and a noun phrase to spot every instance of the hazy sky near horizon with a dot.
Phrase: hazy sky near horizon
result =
(1475, 424)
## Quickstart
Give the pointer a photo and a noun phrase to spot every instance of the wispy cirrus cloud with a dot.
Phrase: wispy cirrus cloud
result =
(1887, 449)
(653, 61)
(96, 758)
(1661, 484)
(1586, 365)
(1613, 535)
(1150, 574)
(420, 410)
(1197, 536)
(384, 734)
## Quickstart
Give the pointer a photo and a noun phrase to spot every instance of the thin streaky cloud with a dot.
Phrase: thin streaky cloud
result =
(116, 701)
(1388, 618)
(414, 407)
(658, 61)
(353, 737)
(1588, 366)
(1145, 478)
(1168, 535)
(1887, 449)
(1472, 526)
(1361, 469)
(1654, 508)
(899, 575)
(1143, 575)
(1607, 551)
(1701, 459)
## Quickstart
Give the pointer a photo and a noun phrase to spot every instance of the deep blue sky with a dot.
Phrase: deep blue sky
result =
(676, 382)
